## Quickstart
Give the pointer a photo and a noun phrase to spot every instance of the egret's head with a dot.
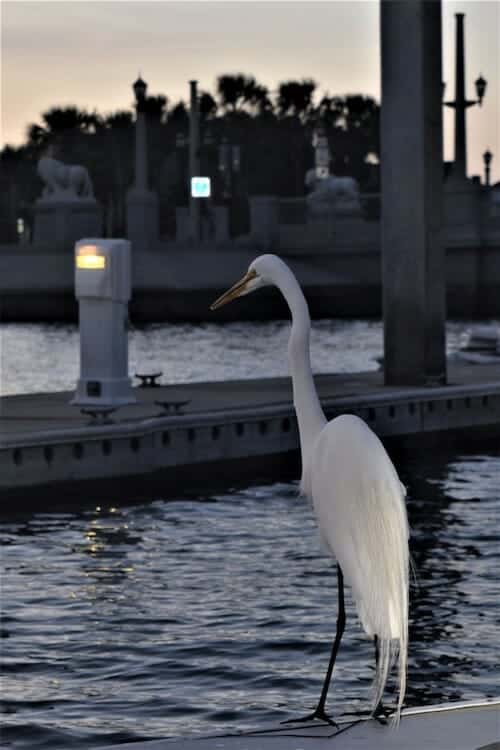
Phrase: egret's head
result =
(261, 272)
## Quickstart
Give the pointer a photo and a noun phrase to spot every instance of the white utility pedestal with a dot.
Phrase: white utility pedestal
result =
(103, 287)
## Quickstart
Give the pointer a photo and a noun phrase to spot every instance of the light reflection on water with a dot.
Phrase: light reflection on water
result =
(204, 614)
(43, 357)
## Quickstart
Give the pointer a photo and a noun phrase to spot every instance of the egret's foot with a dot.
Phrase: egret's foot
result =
(381, 714)
(319, 713)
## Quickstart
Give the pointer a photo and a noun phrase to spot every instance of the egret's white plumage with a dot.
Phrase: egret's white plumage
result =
(354, 488)
(359, 503)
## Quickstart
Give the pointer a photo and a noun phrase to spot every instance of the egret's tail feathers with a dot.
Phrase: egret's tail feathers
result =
(390, 651)
(386, 603)
(392, 633)
(403, 663)
(385, 660)
(385, 611)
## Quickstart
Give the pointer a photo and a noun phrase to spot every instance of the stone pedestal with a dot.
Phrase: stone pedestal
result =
(142, 219)
(221, 218)
(337, 196)
(60, 223)
(264, 225)
(182, 224)
(214, 227)
(493, 199)
(462, 210)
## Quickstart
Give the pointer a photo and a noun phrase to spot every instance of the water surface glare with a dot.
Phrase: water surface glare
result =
(194, 615)
(193, 353)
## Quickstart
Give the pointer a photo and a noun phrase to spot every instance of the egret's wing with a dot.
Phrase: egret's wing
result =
(359, 503)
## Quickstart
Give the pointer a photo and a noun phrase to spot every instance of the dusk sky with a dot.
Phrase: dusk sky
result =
(88, 54)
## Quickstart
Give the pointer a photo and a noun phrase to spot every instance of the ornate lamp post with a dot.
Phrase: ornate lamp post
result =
(142, 203)
(487, 157)
(460, 104)
(140, 88)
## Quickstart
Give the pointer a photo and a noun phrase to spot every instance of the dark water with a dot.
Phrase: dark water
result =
(191, 615)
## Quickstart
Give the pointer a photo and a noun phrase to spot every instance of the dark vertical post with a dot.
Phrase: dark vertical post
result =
(487, 157)
(194, 159)
(140, 88)
(460, 165)
(413, 262)
(141, 150)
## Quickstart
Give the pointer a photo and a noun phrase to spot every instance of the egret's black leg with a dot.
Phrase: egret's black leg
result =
(380, 713)
(320, 712)
(336, 643)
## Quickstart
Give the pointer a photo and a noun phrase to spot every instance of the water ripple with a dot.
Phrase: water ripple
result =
(223, 352)
(181, 616)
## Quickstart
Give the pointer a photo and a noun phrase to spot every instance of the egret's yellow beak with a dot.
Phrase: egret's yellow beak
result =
(236, 290)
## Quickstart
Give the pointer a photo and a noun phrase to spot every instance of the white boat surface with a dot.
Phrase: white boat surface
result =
(472, 725)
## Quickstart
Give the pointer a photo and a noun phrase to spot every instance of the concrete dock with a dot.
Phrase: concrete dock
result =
(453, 726)
(228, 430)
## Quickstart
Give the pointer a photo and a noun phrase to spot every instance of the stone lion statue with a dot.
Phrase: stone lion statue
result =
(64, 181)
(339, 194)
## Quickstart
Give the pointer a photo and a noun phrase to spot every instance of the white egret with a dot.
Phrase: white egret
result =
(358, 499)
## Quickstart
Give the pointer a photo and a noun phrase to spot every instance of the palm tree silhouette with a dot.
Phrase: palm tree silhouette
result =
(295, 98)
(236, 91)
(207, 105)
(60, 125)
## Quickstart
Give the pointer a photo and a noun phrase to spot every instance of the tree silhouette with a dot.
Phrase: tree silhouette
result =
(123, 118)
(295, 98)
(154, 107)
(231, 90)
(256, 96)
(235, 91)
(356, 111)
(37, 136)
(60, 121)
(61, 126)
(207, 105)
(178, 117)
(352, 124)
(329, 111)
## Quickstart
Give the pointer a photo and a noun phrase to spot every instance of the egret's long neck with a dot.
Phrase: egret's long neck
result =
(310, 416)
